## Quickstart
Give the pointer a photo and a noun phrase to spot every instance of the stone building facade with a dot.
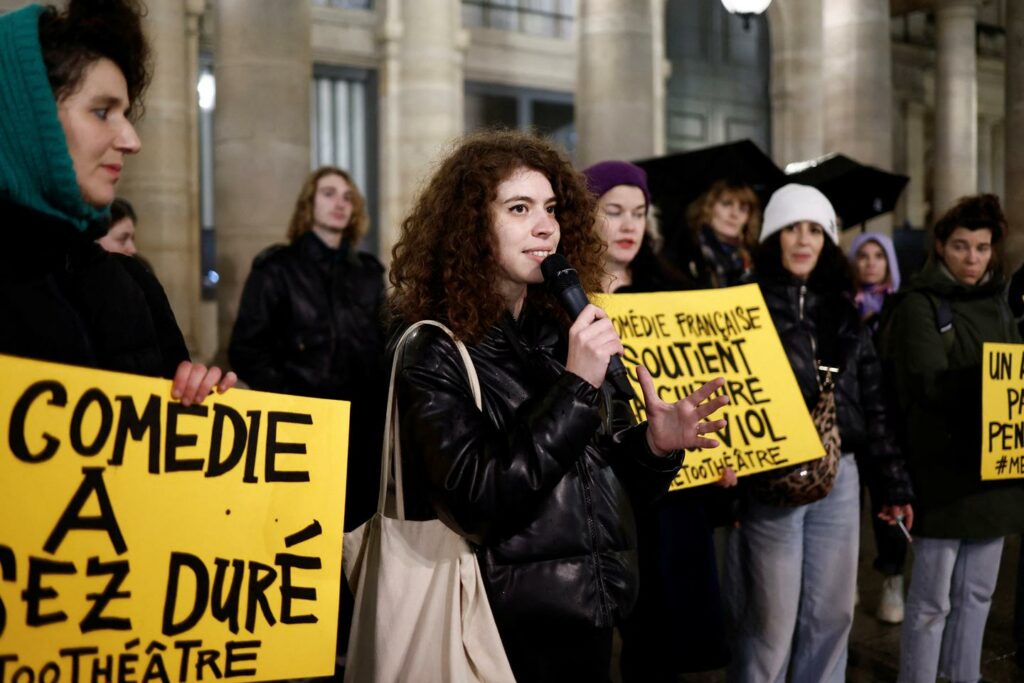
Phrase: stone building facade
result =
(930, 88)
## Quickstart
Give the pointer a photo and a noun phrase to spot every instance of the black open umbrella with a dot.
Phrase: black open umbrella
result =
(677, 179)
(858, 192)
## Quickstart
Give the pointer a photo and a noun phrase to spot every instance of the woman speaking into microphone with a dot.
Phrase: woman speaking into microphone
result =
(544, 481)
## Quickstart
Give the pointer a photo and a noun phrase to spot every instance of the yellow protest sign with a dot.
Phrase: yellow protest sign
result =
(145, 541)
(1002, 411)
(688, 338)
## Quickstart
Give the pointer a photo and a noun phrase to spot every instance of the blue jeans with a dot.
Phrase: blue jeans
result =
(792, 577)
(950, 594)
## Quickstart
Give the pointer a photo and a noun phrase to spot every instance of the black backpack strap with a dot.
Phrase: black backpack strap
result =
(943, 311)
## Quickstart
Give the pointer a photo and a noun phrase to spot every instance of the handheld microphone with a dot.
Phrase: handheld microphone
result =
(563, 281)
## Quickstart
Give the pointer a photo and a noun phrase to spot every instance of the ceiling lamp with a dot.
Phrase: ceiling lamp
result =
(746, 9)
(746, 6)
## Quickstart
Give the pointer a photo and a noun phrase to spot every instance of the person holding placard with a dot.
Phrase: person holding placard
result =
(72, 85)
(933, 343)
(546, 480)
(676, 551)
(792, 564)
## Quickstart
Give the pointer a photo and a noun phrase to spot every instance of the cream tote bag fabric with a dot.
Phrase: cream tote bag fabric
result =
(421, 613)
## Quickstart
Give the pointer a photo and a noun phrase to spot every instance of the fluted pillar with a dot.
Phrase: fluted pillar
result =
(423, 47)
(797, 80)
(1013, 132)
(956, 103)
(858, 84)
(915, 142)
(620, 91)
(159, 181)
(263, 65)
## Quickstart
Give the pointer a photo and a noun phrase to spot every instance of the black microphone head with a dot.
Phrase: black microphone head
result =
(558, 274)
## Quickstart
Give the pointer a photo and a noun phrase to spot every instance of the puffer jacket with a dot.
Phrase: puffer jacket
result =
(542, 482)
(309, 321)
(814, 326)
(938, 386)
(66, 300)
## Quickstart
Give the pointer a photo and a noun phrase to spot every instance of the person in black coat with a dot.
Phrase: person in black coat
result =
(72, 82)
(546, 480)
(793, 568)
(676, 552)
(310, 324)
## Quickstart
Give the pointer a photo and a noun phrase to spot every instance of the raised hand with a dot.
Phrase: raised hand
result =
(679, 425)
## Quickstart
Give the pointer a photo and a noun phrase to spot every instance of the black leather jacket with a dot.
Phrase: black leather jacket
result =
(542, 481)
(64, 299)
(309, 321)
(816, 326)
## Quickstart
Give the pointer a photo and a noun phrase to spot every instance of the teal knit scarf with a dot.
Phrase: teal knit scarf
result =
(35, 165)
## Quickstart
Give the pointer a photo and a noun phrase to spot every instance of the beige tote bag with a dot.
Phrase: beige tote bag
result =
(421, 613)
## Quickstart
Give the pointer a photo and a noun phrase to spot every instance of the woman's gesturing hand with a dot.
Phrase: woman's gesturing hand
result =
(679, 425)
(194, 381)
(592, 342)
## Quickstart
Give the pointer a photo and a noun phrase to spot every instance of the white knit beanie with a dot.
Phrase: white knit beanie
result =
(794, 203)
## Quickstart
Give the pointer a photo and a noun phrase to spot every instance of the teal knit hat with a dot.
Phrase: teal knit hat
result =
(35, 165)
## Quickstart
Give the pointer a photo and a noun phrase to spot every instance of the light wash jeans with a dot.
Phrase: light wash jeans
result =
(791, 578)
(951, 588)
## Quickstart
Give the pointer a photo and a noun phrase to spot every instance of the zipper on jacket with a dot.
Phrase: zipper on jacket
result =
(803, 296)
(588, 499)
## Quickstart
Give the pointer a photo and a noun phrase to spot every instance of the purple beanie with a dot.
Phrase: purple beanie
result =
(605, 175)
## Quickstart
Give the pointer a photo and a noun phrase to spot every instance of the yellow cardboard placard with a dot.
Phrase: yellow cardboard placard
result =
(688, 338)
(141, 540)
(1002, 411)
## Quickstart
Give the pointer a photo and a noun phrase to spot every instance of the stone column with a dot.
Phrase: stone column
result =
(956, 103)
(914, 141)
(421, 100)
(620, 93)
(159, 181)
(858, 84)
(1013, 131)
(986, 154)
(263, 65)
(797, 80)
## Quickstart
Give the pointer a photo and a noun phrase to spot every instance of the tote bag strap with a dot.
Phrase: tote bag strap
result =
(392, 448)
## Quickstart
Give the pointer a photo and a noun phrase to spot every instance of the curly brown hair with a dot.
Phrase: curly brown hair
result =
(302, 216)
(701, 210)
(89, 30)
(444, 265)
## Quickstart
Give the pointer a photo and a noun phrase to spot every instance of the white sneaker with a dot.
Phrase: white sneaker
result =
(890, 606)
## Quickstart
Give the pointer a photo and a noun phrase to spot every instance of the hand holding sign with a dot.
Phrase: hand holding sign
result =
(679, 425)
(194, 381)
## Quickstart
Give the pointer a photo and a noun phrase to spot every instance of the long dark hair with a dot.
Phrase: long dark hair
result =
(831, 274)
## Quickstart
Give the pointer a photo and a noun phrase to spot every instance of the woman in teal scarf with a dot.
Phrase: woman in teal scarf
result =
(71, 84)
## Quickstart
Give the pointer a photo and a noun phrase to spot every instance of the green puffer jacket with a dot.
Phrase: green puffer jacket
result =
(938, 386)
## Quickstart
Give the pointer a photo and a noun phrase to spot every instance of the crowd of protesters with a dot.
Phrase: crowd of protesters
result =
(561, 494)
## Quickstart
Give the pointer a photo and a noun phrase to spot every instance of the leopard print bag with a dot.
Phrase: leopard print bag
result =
(809, 481)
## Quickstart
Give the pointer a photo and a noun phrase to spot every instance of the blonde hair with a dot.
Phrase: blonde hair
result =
(701, 210)
(302, 216)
